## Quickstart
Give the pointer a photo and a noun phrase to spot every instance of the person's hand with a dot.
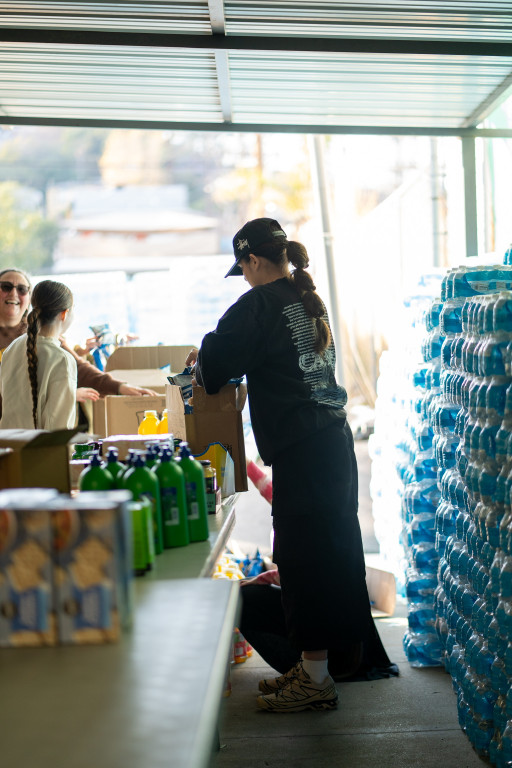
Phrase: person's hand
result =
(191, 357)
(126, 389)
(86, 393)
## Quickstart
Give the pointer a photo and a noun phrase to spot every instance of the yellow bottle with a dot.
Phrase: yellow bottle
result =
(163, 426)
(149, 424)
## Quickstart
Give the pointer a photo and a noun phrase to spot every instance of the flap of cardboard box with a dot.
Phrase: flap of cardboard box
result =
(20, 439)
(148, 357)
(229, 399)
(150, 378)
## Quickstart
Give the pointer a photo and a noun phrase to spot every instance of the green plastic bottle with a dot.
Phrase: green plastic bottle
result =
(196, 495)
(95, 477)
(114, 466)
(152, 456)
(173, 498)
(143, 483)
(143, 539)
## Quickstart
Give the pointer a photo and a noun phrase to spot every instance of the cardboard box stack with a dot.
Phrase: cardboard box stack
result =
(65, 568)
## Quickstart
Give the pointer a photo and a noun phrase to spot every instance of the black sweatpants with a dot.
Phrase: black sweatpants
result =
(317, 542)
(262, 623)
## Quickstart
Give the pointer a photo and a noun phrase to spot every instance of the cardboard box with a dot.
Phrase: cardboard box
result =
(215, 419)
(86, 571)
(35, 458)
(148, 357)
(123, 443)
(122, 414)
(27, 614)
(382, 591)
(150, 378)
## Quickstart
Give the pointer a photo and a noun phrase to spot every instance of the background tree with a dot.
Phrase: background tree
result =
(27, 239)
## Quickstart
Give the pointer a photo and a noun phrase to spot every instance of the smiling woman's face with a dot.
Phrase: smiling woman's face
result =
(13, 304)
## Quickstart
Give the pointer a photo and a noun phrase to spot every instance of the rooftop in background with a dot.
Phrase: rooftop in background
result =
(421, 66)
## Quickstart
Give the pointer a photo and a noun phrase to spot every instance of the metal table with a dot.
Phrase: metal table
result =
(150, 701)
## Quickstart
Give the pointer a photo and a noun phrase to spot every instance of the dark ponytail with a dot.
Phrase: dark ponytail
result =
(49, 299)
(279, 252)
(303, 282)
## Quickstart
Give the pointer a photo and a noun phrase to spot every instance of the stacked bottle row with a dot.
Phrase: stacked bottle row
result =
(419, 503)
(394, 443)
(169, 490)
(472, 520)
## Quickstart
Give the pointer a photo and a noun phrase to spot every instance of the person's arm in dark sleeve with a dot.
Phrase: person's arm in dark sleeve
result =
(234, 348)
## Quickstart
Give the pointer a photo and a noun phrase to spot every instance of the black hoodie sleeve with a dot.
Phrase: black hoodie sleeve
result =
(235, 347)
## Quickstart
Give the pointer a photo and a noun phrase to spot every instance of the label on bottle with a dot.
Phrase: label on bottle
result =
(149, 496)
(193, 506)
(170, 509)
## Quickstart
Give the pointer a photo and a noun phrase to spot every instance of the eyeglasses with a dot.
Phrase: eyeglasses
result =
(6, 287)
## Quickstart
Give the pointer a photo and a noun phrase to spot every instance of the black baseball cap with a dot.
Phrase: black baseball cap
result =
(253, 234)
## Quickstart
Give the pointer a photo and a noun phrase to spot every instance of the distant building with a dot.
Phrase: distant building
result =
(129, 228)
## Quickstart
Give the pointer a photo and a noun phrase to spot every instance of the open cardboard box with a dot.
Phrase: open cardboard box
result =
(155, 357)
(139, 367)
(35, 458)
(122, 414)
(216, 419)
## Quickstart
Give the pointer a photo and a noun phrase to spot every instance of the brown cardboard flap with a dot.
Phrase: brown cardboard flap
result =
(150, 378)
(230, 398)
(224, 428)
(148, 357)
(20, 439)
(382, 591)
(175, 411)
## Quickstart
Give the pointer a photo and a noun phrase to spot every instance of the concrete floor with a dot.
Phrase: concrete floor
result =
(404, 722)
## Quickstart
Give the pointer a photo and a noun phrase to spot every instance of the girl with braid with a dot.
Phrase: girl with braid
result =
(278, 335)
(38, 377)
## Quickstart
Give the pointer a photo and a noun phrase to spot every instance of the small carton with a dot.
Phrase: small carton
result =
(85, 559)
(122, 499)
(215, 419)
(27, 614)
(35, 458)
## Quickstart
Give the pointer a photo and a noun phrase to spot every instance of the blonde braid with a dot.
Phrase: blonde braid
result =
(32, 331)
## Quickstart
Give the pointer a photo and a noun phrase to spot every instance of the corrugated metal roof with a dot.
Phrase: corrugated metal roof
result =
(398, 64)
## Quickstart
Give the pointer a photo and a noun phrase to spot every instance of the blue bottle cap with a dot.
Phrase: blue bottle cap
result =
(185, 451)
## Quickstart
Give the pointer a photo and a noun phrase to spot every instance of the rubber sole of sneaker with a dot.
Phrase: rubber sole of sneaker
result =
(297, 706)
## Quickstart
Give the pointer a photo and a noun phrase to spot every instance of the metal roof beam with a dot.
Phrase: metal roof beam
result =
(218, 25)
(492, 102)
(168, 125)
(217, 17)
(219, 42)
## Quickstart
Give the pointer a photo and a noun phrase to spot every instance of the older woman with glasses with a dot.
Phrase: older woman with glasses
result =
(15, 292)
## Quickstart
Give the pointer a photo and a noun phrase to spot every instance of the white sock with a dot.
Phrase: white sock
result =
(317, 670)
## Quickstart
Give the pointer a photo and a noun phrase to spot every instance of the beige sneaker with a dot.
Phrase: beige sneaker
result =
(276, 683)
(299, 693)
